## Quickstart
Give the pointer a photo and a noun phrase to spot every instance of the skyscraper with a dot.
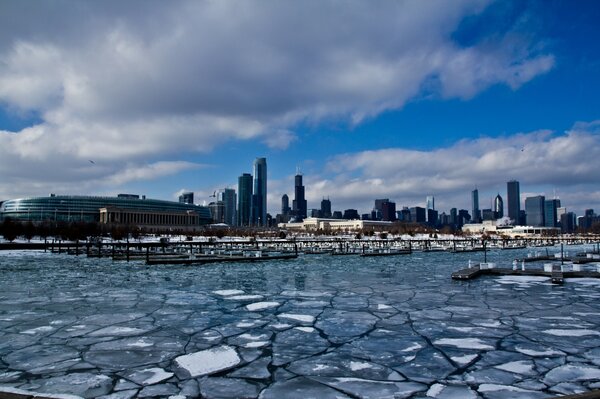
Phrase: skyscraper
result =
(325, 208)
(534, 210)
(498, 207)
(244, 199)
(285, 205)
(514, 201)
(299, 205)
(429, 205)
(476, 217)
(228, 197)
(551, 212)
(259, 195)
(186, 198)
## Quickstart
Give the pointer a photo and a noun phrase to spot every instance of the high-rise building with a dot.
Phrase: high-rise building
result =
(498, 207)
(567, 222)
(351, 214)
(186, 198)
(217, 211)
(259, 194)
(476, 216)
(228, 197)
(299, 205)
(325, 208)
(551, 212)
(244, 199)
(285, 205)
(453, 219)
(534, 210)
(417, 214)
(432, 217)
(429, 205)
(513, 194)
(388, 211)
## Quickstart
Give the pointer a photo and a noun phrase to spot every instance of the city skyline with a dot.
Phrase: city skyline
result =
(498, 91)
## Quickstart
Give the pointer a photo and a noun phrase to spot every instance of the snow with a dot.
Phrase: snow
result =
(297, 317)
(208, 361)
(149, 376)
(571, 333)
(466, 343)
(253, 307)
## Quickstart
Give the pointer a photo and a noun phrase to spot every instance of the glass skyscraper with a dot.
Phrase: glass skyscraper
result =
(534, 209)
(514, 201)
(259, 195)
(244, 199)
(476, 217)
(299, 205)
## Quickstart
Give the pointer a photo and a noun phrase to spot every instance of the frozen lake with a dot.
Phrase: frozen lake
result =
(318, 326)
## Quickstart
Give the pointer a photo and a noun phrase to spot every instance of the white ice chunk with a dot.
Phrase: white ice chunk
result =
(228, 292)
(518, 367)
(297, 317)
(355, 366)
(382, 306)
(464, 359)
(541, 353)
(415, 346)
(248, 297)
(256, 344)
(435, 390)
(208, 361)
(116, 330)
(498, 387)
(253, 307)
(466, 343)
(305, 329)
(37, 330)
(571, 333)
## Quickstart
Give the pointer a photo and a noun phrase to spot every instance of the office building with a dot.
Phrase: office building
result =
(429, 205)
(186, 198)
(244, 199)
(403, 215)
(299, 205)
(551, 212)
(453, 218)
(463, 217)
(285, 205)
(567, 222)
(258, 213)
(513, 194)
(351, 214)
(475, 216)
(337, 215)
(417, 214)
(488, 214)
(388, 211)
(325, 208)
(228, 197)
(534, 210)
(431, 216)
(217, 211)
(498, 207)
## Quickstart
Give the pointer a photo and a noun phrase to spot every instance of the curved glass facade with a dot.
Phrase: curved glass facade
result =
(71, 208)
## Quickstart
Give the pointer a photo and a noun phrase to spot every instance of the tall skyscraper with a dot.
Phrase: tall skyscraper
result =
(514, 201)
(299, 205)
(534, 210)
(228, 197)
(259, 195)
(186, 198)
(429, 205)
(388, 211)
(244, 199)
(285, 205)
(551, 212)
(476, 217)
(325, 208)
(498, 207)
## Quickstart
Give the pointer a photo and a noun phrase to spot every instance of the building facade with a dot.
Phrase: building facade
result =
(513, 194)
(299, 204)
(476, 214)
(534, 210)
(498, 207)
(244, 199)
(229, 198)
(551, 212)
(186, 198)
(259, 195)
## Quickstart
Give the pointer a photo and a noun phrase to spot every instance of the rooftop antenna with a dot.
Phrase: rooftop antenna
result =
(297, 169)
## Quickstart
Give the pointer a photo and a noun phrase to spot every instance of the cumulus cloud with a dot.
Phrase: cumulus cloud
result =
(143, 80)
(540, 160)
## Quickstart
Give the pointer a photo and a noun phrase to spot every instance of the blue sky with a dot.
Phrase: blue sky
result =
(392, 99)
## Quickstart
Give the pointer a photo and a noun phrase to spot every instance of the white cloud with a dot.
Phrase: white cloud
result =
(541, 161)
(143, 81)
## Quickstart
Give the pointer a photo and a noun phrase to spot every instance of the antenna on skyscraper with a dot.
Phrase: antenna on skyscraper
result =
(297, 169)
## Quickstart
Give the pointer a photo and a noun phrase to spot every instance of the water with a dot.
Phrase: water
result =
(326, 326)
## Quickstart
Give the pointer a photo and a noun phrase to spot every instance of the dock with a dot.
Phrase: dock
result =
(557, 275)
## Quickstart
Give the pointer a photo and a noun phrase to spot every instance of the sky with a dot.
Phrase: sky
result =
(390, 99)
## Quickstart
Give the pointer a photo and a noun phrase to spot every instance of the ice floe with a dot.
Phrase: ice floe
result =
(465, 343)
(208, 361)
(253, 307)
